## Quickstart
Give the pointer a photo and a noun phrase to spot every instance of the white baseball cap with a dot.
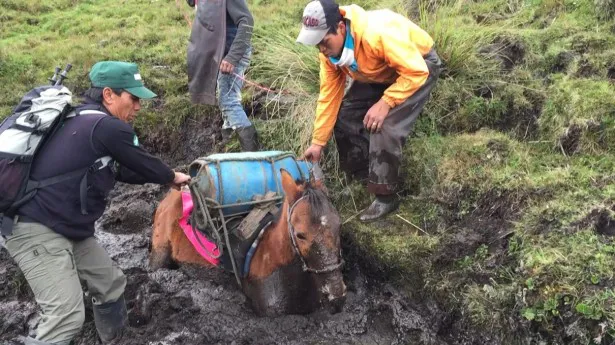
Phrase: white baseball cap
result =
(314, 22)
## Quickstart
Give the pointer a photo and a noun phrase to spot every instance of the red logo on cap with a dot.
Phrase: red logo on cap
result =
(310, 21)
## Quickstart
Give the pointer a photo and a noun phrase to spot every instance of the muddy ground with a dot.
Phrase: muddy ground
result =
(192, 305)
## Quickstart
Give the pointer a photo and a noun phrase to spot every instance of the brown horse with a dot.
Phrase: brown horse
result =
(297, 264)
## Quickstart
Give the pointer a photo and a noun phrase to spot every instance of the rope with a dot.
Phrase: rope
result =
(206, 219)
(264, 88)
(230, 251)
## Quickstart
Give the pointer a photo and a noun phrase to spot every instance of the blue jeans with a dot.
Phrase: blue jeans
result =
(229, 95)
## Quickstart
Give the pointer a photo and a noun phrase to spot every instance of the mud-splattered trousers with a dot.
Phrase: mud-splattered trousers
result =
(377, 156)
(53, 266)
(229, 95)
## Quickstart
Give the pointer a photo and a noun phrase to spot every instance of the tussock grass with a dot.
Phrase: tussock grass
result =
(605, 9)
(587, 104)
(557, 267)
(285, 64)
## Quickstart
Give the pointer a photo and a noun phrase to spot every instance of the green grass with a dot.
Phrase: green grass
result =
(38, 36)
(554, 267)
(509, 171)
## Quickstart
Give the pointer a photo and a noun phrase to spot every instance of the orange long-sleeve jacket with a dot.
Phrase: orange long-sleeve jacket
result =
(389, 49)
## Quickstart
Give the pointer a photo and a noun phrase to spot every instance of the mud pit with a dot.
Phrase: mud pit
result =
(193, 305)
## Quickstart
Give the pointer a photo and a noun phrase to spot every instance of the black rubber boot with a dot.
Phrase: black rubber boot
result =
(110, 319)
(383, 205)
(248, 139)
(227, 133)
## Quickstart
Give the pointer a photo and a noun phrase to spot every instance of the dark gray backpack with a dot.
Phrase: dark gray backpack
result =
(35, 119)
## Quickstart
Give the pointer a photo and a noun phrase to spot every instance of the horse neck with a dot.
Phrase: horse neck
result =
(274, 250)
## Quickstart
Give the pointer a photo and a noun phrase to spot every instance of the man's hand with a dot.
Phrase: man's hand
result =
(226, 67)
(375, 116)
(179, 180)
(313, 153)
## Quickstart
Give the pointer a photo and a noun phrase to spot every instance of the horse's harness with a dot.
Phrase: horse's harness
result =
(207, 220)
(291, 233)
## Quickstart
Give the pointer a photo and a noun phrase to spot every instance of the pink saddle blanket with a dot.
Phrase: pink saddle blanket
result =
(192, 235)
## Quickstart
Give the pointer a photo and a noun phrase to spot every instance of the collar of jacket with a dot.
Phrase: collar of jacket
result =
(90, 104)
(358, 21)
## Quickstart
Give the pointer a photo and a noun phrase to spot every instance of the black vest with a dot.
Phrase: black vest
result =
(60, 206)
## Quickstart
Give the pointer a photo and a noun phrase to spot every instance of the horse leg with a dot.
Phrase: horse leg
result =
(183, 250)
(169, 243)
(167, 213)
(160, 256)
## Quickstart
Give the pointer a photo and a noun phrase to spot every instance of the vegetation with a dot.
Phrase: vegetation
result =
(508, 212)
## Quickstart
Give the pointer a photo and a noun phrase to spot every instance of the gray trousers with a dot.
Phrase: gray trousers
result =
(53, 266)
(376, 157)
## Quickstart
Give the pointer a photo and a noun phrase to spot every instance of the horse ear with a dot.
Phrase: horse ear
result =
(290, 186)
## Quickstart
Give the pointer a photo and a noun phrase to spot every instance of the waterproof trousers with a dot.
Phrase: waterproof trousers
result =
(376, 157)
(53, 266)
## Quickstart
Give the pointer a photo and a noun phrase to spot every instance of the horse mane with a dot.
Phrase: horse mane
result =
(320, 205)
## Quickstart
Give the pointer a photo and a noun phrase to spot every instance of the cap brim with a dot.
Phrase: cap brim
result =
(311, 37)
(141, 91)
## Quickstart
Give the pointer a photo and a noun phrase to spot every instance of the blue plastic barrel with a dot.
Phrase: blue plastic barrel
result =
(232, 178)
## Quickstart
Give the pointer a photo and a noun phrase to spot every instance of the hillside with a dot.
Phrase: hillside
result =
(505, 231)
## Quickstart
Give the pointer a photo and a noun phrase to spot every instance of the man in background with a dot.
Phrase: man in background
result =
(218, 55)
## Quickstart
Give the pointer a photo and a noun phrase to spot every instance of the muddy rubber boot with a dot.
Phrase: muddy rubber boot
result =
(383, 205)
(110, 319)
(226, 134)
(248, 139)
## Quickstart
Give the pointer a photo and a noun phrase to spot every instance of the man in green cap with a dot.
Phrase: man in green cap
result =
(53, 237)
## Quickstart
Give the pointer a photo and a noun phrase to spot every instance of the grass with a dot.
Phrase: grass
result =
(39, 36)
(509, 171)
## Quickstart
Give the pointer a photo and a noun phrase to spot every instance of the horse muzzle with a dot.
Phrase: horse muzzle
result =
(336, 305)
(335, 294)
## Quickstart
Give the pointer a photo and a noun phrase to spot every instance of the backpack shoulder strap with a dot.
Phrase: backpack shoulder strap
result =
(90, 112)
(79, 112)
(98, 164)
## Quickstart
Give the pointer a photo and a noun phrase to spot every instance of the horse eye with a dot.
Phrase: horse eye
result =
(301, 236)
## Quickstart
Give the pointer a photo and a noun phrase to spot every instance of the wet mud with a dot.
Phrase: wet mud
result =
(195, 305)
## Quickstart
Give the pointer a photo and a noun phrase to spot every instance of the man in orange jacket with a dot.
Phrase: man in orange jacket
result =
(392, 68)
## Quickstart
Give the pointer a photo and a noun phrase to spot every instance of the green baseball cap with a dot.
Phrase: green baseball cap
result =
(120, 75)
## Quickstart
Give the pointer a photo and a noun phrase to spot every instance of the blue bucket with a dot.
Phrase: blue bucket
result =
(234, 178)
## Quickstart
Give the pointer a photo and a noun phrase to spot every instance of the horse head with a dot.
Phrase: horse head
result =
(314, 231)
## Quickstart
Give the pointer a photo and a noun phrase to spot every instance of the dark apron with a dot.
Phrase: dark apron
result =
(206, 50)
